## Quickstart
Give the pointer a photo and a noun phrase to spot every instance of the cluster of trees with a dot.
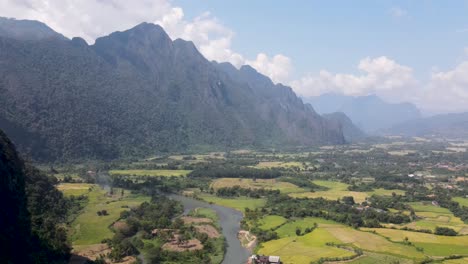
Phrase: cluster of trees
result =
(307, 230)
(154, 185)
(144, 218)
(445, 231)
(444, 198)
(237, 191)
(158, 214)
(384, 202)
(335, 210)
(234, 172)
(49, 212)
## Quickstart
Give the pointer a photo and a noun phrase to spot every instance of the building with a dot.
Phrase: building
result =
(254, 259)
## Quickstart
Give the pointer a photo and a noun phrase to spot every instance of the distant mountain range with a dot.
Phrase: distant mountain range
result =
(138, 92)
(350, 131)
(446, 125)
(370, 113)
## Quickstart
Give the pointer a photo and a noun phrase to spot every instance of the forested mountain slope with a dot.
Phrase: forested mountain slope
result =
(32, 214)
(137, 92)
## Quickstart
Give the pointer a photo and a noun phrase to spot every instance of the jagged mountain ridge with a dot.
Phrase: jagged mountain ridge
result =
(136, 92)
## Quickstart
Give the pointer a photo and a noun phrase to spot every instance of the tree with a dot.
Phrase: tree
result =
(349, 200)
(298, 231)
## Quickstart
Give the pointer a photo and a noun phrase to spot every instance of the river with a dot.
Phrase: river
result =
(230, 224)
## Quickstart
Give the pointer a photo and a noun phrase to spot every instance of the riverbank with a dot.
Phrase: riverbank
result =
(229, 220)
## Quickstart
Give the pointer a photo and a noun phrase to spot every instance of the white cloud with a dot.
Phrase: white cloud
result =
(95, 18)
(465, 50)
(447, 91)
(278, 67)
(381, 76)
(398, 12)
(444, 91)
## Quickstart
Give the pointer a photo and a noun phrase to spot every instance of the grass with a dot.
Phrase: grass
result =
(384, 192)
(271, 184)
(238, 203)
(311, 247)
(205, 213)
(456, 261)
(428, 207)
(289, 229)
(336, 190)
(271, 221)
(304, 249)
(373, 242)
(75, 189)
(278, 164)
(89, 228)
(433, 245)
(433, 216)
(462, 201)
(372, 258)
(163, 173)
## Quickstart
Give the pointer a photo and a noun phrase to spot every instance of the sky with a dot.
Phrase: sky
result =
(414, 51)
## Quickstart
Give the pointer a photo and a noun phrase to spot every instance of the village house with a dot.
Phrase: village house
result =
(255, 259)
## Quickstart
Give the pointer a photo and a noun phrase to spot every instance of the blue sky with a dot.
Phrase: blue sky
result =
(412, 51)
(335, 35)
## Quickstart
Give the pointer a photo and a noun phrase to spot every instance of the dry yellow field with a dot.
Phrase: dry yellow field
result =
(336, 191)
(270, 184)
(74, 188)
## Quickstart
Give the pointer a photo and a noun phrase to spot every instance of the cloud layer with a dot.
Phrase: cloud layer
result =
(444, 91)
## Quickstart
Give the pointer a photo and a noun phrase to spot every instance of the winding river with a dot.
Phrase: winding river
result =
(230, 223)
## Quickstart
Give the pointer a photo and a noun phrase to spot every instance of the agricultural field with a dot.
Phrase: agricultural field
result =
(304, 249)
(428, 207)
(238, 203)
(373, 242)
(289, 229)
(270, 184)
(90, 228)
(161, 173)
(433, 245)
(373, 258)
(336, 190)
(279, 164)
(456, 261)
(76, 189)
(431, 216)
(312, 246)
(271, 221)
(462, 201)
(384, 192)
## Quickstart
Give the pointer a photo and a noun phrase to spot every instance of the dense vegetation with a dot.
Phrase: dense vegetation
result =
(137, 91)
(33, 212)
(157, 215)
(224, 171)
